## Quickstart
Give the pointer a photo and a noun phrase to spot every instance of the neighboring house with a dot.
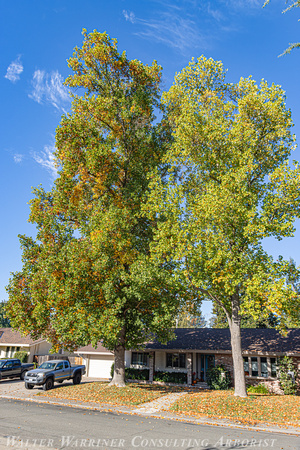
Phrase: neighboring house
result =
(193, 351)
(12, 341)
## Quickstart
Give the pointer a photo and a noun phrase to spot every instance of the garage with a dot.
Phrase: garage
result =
(99, 366)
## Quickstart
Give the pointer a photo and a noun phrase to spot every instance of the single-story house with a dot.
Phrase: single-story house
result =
(194, 350)
(12, 341)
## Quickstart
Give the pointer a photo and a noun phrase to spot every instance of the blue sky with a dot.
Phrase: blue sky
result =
(37, 37)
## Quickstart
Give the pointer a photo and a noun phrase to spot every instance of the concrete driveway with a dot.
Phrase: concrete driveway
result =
(16, 388)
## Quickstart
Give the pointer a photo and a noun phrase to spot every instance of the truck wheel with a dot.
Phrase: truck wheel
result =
(22, 376)
(77, 378)
(48, 384)
(28, 386)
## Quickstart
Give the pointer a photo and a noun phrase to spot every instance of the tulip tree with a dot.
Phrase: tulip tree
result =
(88, 275)
(229, 187)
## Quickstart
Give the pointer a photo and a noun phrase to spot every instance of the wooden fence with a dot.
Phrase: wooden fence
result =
(73, 359)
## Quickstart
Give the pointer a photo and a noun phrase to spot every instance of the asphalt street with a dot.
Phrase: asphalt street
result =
(29, 425)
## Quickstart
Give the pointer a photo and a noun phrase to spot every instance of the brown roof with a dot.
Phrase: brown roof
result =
(90, 349)
(10, 336)
(214, 339)
(201, 339)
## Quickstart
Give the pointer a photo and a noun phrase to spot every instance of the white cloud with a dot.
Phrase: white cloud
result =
(129, 16)
(18, 158)
(172, 25)
(14, 70)
(187, 28)
(215, 13)
(173, 30)
(46, 159)
(244, 4)
(49, 88)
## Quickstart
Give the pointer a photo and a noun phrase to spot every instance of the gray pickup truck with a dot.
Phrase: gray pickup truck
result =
(12, 368)
(51, 372)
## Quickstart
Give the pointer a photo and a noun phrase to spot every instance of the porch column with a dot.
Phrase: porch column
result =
(189, 368)
(151, 366)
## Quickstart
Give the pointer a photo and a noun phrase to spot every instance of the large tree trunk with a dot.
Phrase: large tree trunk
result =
(236, 346)
(119, 363)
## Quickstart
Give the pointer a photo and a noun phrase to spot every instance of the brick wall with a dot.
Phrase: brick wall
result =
(296, 361)
(273, 385)
(226, 361)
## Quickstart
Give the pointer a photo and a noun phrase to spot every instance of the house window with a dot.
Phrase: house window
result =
(7, 352)
(260, 366)
(264, 367)
(246, 365)
(139, 358)
(273, 367)
(254, 366)
(176, 360)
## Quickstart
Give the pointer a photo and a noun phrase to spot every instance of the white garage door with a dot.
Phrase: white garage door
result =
(100, 368)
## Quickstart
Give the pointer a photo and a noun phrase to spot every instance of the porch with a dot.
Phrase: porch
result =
(194, 364)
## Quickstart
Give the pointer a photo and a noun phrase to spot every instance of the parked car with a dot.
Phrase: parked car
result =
(55, 371)
(12, 368)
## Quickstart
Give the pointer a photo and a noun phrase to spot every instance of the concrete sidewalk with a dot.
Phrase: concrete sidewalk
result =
(15, 390)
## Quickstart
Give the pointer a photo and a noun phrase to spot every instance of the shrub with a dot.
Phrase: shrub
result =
(170, 377)
(137, 374)
(132, 374)
(259, 389)
(285, 369)
(112, 370)
(218, 378)
(21, 355)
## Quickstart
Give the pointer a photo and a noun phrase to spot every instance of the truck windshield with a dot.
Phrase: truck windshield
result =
(2, 363)
(47, 365)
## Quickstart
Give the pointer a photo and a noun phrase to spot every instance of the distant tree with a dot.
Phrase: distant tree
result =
(293, 277)
(190, 317)
(219, 320)
(4, 320)
(291, 4)
(293, 280)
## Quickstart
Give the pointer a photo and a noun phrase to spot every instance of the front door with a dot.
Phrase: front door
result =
(203, 363)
